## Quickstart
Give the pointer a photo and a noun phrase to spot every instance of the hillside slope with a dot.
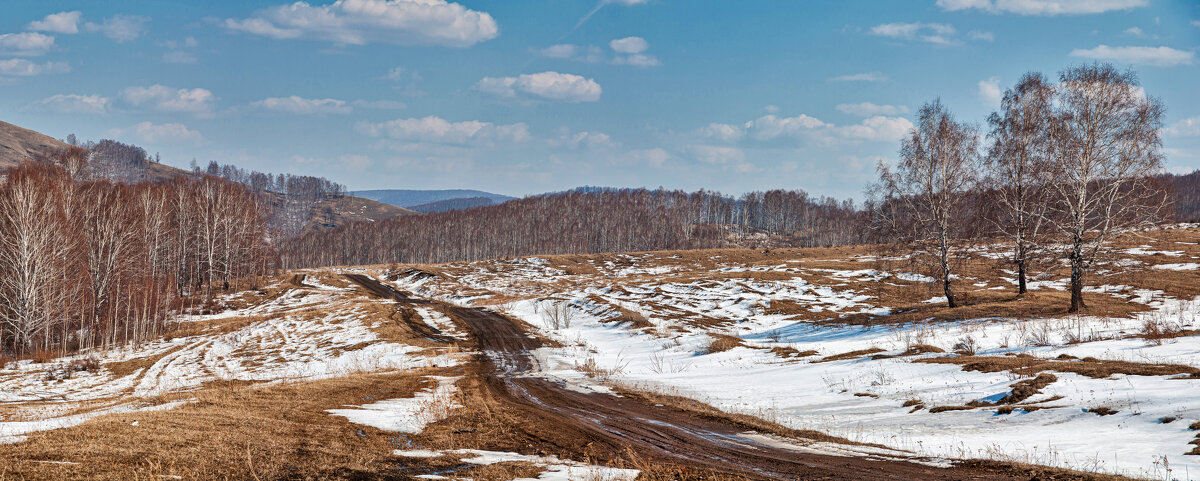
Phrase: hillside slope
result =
(18, 144)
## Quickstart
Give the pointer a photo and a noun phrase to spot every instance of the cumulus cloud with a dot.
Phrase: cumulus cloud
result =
(301, 106)
(62, 22)
(20, 67)
(561, 51)
(562, 87)
(980, 35)
(72, 103)
(861, 77)
(770, 127)
(120, 28)
(1189, 127)
(360, 22)
(629, 45)
(439, 130)
(936, 33)
(167, 99)
(1042, 7)
(27, 44)
(715, 154)
(876, 129)
(866, 109)
(722, 132)
(168, 133)
(584, 139)
(655, 157)
(990, 91)
(1153, 56)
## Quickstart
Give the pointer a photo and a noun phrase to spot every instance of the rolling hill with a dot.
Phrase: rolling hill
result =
(413, 198)
(18, 144)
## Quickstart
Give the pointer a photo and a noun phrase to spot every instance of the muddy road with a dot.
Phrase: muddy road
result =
(610, 429)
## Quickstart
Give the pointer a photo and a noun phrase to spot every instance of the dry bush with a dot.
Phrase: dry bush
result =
(1156, 330)
(722, 343)
(1103, 410)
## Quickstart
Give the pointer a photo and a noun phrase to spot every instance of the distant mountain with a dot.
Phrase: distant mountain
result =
(453, 204)
(413, 198)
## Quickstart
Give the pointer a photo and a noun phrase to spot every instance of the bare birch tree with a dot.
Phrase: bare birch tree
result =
(1016, 168)
(925, 202)
(1107, 153)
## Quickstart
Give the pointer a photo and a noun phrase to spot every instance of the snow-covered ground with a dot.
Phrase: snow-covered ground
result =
(302, 335)
(863, 397)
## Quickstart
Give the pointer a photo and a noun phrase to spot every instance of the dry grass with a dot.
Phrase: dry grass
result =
(722, 343)
(851, 354)
(1027, 365)
(233, 431)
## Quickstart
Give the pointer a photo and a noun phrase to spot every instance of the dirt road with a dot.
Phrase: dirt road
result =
(607, 428)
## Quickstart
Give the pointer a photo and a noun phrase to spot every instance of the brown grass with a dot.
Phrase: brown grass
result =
(850, 355)
(232, 432)
(722, 343)
(1027, 365)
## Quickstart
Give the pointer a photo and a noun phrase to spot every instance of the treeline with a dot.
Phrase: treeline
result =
(582, 222)
(88, 262)
(293, 196)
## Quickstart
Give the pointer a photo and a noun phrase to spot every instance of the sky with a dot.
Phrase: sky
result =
(523, 97)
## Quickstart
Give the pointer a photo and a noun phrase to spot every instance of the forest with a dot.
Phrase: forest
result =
(88, 262)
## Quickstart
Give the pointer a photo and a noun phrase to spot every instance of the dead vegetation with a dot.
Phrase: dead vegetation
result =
(1027, 365)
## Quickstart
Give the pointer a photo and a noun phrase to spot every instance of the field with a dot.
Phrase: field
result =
(720, 364)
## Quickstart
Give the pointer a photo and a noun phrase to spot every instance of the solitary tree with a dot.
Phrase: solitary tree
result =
(925, 201)
(1107, 151)
(1016, 167)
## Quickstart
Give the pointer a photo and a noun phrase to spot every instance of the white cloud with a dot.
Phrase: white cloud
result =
(62, 22)
(723, 132)
(770, 127)
(168, 133)
(120, 28)
(561, 51)
(714, 154)
(439, 130)
(1196, 23)
(1135, 31)
(655, 157)
(861, 77)
(637, 60)
(980, 35)
(585, 139)
(1153, 56)
(360, 22)
(556, 86)
(877, 129)
(27, 44)
(20, 67)
(937, 33)
(1189, 127)
(626, 2)
(771, 109)
(866, 109)
(990, 91)
(301, 106)
(73, 103)
(629, 45)
(1042, 7)
(169, 99)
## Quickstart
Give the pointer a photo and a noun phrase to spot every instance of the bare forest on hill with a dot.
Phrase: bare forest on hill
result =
(88, 262)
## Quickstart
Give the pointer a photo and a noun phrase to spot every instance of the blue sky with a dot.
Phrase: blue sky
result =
(521, 97)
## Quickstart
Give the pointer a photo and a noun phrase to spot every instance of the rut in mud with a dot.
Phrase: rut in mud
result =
(607, 428)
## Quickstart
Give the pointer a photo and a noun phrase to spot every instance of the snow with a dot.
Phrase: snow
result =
(671, 357)
(405, 415)
(1187, 266)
